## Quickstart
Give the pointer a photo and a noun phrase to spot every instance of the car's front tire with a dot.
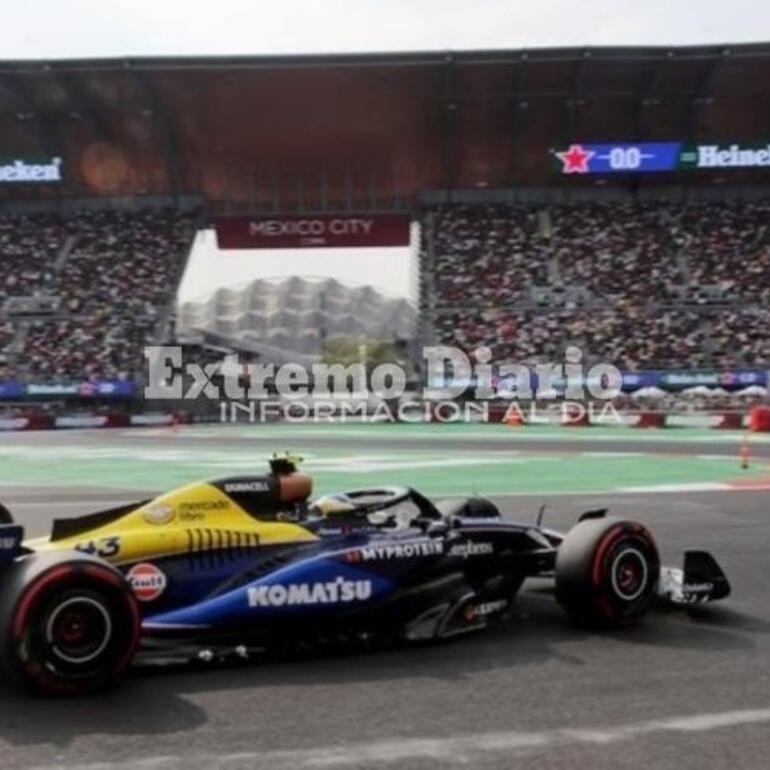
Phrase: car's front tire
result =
(607, 572)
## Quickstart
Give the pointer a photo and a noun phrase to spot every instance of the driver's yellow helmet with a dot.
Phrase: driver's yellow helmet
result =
(331, 505)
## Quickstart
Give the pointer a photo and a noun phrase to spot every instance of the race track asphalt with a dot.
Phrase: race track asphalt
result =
(683, 690)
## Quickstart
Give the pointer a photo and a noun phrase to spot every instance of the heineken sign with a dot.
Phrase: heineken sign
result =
(30, 170)
(718, 156)
(645, 157)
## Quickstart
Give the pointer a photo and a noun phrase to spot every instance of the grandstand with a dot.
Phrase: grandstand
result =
(643, 285)
(113, 276)
(645, 270)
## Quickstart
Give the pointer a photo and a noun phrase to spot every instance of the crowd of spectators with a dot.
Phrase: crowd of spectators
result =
(7, 334)
(619, 250)
(29, 245)
(630, 340)
(474, 244)
(117, 279)
(642, 251)
(646, 268)
(742, 336)
(124, 261)
(96, 346)
(728, 243)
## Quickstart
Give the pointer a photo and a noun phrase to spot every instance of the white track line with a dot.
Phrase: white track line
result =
(460, 750)
(705, 486)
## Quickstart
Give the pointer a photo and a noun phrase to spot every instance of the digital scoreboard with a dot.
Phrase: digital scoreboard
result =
(644, 157)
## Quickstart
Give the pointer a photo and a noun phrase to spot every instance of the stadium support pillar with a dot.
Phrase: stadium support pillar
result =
(165, 125)
(427, 298)
(448, 129)
(49, 140)
(519, 106)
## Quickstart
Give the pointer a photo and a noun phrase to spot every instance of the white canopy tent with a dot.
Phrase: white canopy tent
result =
(753, 390)
(650, 392)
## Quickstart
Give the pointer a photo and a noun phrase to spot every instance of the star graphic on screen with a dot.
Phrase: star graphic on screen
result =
(575, 159)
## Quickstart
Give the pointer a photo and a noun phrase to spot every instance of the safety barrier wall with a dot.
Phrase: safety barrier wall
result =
(83, 421)
(757, 419)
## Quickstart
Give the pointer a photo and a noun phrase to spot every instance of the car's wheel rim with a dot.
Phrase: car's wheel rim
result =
(629, 573)
(78, 630)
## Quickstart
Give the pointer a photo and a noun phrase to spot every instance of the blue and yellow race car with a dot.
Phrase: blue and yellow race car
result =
(241, 564)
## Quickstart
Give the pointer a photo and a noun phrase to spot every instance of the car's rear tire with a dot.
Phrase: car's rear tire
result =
(68, 624)
(607, 572)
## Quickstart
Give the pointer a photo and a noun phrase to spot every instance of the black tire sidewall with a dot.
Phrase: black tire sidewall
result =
(27, 655)
(584, 572)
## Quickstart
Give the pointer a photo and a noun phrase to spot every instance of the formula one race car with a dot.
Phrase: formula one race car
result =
(241, 564)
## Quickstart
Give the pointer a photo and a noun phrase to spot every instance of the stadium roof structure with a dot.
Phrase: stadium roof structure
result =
(307, 132)
(292, 318)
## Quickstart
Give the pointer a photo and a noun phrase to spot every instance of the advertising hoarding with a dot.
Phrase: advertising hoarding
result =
(313, 231)
(646, 157)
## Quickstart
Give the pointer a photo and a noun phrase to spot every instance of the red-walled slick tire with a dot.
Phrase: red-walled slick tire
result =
(69, 623)
(607, 572)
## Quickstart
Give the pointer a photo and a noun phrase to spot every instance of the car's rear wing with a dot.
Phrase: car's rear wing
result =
(5, 515)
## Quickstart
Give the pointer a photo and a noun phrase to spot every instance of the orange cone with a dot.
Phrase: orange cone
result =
(744, 454)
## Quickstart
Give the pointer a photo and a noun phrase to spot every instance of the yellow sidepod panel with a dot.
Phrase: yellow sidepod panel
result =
(194, 518)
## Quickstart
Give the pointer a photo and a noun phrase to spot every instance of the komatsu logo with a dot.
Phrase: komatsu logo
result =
(335, 591)
(18, 170)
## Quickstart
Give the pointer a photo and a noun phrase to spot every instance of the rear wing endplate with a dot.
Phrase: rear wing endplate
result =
(11, 537)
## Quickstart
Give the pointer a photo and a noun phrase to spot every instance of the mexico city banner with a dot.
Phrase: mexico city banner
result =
(313, 231)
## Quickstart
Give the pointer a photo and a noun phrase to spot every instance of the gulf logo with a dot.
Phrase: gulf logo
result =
(147, 581)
